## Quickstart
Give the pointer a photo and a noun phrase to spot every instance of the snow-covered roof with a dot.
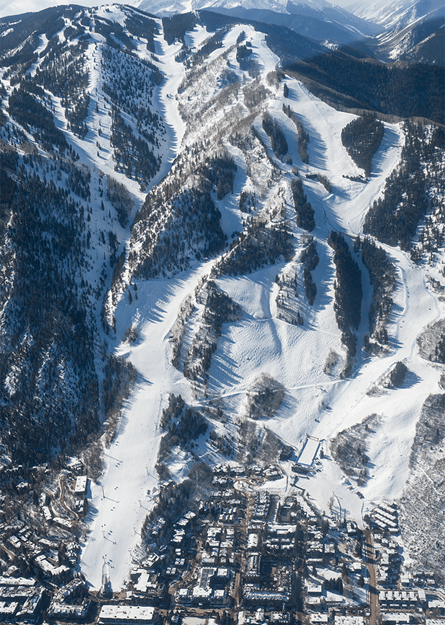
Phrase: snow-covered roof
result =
(126, 613)
(309, 451)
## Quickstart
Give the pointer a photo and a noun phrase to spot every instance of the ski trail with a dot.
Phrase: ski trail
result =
(122, 497)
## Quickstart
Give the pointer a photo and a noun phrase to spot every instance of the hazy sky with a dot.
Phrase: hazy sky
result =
(14, 7)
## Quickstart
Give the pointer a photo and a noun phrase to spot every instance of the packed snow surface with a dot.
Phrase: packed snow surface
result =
(124, 494)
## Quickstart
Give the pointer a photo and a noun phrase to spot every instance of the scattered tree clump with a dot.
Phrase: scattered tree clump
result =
(176, 499)
(66, 76)
(78, 181)
(303, 135)
(383, 279)
(176, 334)
(179, 220)
(142, 26)
(257, 444)
(120, 377)
(348, 294)
(135, 144)
(177, 26)
(211, 44)
(134, 155)
(362, 138)
(258, 246)
(244, 57)
(247, 202)
(410, 193)
(305, 212)
(393, 379)
(422, 501)
(181, 425)
(331, 362)
(430, 433)
(324, 180)
(35, 117)
(255, 93)
(120, 199)
(131, 334)
(264, 397)
(348, 448)
(396, 376)
(310, 260)
(431, 342)
(172, 412)
(222, 443)
(221, 170)
(219, 308)
(288, 308)
(51, 396)
(276, 134)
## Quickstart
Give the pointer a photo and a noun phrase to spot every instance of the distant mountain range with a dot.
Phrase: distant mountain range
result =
(409, 31)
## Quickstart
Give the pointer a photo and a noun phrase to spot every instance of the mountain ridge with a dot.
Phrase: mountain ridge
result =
(196, 215)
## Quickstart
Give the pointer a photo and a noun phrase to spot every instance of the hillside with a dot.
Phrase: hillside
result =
(181, 216)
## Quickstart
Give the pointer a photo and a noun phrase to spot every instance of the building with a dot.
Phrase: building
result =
(117, 614)
(308, 454)
(80, 488)
(7, 610)
(68, 612)
(266, 598)
(253, 567)
(349, 620)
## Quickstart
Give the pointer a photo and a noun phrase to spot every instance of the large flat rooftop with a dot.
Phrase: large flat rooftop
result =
(309, 452)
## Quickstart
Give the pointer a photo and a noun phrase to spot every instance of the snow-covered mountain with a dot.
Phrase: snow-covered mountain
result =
(313, 18)
(406, 24)
(397, 14)
(168, 7)
(186, 213)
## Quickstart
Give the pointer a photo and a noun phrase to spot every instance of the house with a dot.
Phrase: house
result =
(80, 487)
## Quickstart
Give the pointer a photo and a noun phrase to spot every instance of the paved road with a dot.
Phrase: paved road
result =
(373, 592)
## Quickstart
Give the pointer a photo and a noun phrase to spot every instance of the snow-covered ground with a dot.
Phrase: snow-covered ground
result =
(315, 403)
(124, 495)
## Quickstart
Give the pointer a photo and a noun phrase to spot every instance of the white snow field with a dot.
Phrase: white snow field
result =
(315, 404)
(124, 494)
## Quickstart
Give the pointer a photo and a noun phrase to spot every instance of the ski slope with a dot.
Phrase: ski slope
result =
(315, 404)
(124, 494)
